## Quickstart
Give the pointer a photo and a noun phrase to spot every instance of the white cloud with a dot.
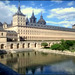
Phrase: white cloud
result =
(62, 23)
(67, 15)
(70, 3)
(7, 11)
(28, 11)
(62, 13)
(23, 6)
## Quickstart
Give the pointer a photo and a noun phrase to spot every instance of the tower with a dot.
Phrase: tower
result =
(19, 18)
(33, 19)
(41, 20)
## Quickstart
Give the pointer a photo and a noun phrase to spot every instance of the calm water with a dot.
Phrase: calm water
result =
(36, 63)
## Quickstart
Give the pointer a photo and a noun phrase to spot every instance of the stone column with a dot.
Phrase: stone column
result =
(31, 45)
(20, 45)
(38, 45)
(26, 45)
(15, 45)
(18, 37)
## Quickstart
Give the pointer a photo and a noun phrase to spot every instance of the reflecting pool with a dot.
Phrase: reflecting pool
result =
(38, 63)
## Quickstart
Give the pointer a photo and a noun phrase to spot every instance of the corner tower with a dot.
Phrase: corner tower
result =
(19, 18)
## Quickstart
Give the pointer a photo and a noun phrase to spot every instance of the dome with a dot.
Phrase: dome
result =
(41, 20)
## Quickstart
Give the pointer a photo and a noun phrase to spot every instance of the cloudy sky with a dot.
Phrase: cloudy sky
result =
(56, 13)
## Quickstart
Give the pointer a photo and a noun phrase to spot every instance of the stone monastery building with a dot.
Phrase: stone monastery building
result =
(22, 29)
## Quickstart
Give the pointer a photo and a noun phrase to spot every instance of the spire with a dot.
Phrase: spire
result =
(33, 13)
(19, 10)
(19, 6)
(32, 19)
(41, 15)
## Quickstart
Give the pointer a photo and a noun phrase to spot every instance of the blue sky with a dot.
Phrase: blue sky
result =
(56, 13)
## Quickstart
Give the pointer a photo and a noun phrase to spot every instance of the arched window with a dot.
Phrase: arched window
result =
(23, 45)
(17, 45)
(2, 46)
(11, 46)
(2, 34)
(35, 44)
(28, 45)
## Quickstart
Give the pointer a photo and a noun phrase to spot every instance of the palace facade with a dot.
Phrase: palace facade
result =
(23, 29)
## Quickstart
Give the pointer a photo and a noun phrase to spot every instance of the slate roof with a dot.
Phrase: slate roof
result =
(50, 27)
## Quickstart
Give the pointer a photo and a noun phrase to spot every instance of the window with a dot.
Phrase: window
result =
(2, 34)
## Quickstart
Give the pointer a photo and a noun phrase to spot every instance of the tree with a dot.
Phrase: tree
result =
(44, 44)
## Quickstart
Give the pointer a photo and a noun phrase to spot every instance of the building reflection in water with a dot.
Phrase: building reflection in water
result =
(30, 62)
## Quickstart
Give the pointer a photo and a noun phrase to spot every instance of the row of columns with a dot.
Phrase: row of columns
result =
(14, 45)
(23, 45)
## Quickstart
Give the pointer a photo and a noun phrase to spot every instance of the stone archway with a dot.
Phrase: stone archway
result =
(2, 46)
(23, 46)
(35, 45)
(11, 46)
(28, 45)
(17, 45)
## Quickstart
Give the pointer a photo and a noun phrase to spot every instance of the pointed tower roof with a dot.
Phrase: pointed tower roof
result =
(33, 17)
(19, 11)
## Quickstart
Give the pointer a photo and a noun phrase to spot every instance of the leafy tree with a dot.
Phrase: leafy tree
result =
(44, 44)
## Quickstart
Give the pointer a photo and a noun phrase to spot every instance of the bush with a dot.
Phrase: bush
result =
(61, 48)
(55, 46)
(44, 44)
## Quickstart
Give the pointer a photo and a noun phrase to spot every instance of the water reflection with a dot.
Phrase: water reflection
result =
(39, 63)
